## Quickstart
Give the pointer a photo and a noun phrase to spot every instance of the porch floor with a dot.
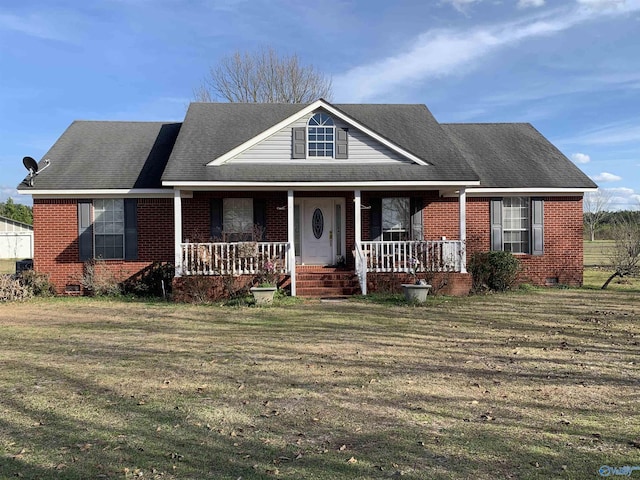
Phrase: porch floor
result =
(317, 281)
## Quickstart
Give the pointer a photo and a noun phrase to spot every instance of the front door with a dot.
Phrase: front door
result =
(320, 230)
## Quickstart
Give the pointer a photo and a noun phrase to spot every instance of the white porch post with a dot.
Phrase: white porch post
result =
(462, 202)
(358, 216)
(291, 240)
(177, 231)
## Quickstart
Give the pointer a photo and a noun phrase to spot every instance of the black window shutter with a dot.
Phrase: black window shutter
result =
(85, 230)
(215, 217)
(496, 224)
(537, 226)
(375, 219)
(299, 141)
(417, 229)
(342, 143)
(260, 217)
(131, 228)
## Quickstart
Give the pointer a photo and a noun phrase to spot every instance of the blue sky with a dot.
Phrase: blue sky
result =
(571, 68)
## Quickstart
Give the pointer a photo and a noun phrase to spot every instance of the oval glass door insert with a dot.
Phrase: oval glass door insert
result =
(317, 223)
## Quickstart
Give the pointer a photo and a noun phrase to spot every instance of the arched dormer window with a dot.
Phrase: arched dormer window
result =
(321, 136)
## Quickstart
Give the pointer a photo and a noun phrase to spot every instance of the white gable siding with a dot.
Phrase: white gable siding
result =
(277, 148)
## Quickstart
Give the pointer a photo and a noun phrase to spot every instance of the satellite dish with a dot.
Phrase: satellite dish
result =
(31, 165)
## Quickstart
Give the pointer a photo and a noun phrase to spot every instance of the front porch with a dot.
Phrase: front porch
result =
(319, 232)
(404, 259)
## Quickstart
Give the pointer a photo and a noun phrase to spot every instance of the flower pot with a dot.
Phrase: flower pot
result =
(263, 295)
(415, 293)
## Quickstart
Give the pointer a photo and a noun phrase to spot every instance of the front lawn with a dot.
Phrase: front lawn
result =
(542, 384)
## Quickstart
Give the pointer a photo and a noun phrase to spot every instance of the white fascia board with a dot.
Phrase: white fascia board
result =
(102, 193)
(264, 186)
(483, 192)
(305, 111)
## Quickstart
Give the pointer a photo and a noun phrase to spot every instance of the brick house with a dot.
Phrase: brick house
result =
(336, 197)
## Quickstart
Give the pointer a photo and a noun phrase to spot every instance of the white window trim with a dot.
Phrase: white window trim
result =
(527, 201)
(325, 127)
(95, 234)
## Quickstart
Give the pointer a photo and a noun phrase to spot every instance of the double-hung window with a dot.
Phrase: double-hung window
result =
(321, 132)
(237, 219)
(108, 228)
(396, 219)
(320, 139)
(517, 225)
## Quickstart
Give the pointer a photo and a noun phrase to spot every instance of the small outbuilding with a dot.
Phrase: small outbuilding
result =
(16, 239)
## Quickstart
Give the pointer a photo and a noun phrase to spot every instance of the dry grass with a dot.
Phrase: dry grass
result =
(598, 252)
(595, 277)
(8, 265)
(536, 385)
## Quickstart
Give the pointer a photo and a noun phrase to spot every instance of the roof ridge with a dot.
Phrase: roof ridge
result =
(485, 123)
(127, 121)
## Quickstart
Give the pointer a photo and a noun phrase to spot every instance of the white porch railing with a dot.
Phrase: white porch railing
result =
(418, 256)
(240, 258)
(361, 268)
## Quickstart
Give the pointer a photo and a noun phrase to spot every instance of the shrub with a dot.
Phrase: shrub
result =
(154, 281)
(495, 271)
(98, 279)
(38, 283)
(11, 289)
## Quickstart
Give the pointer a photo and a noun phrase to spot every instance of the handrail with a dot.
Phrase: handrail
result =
(361, 268)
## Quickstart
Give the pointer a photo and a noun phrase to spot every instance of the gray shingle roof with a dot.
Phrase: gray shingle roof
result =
(124, 155)
(515, 155)
(108, 155)
(212, 129)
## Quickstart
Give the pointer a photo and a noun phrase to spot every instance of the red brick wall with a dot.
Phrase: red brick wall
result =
(56, 231)
(196, 222)
(55, 223)
(563, 255)
(562, 259)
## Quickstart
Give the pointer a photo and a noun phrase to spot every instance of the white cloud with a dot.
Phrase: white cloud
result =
(580, 158)
(622, 198)
(33, 25)
(7, 192)
(602, 4)
(530, 3)
(607, 177)
(461, 5)
(445, 52)
(612, 134)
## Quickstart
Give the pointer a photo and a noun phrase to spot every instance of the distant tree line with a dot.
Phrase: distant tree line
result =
(16, 211)
(607, 221)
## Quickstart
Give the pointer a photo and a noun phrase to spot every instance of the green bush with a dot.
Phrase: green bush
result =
(495, 271)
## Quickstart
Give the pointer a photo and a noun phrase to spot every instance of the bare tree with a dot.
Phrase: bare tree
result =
(595, 206)
(625, 256)
(263, 77)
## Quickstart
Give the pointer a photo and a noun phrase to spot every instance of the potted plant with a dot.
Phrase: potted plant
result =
(417, 291)
(265, 290)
